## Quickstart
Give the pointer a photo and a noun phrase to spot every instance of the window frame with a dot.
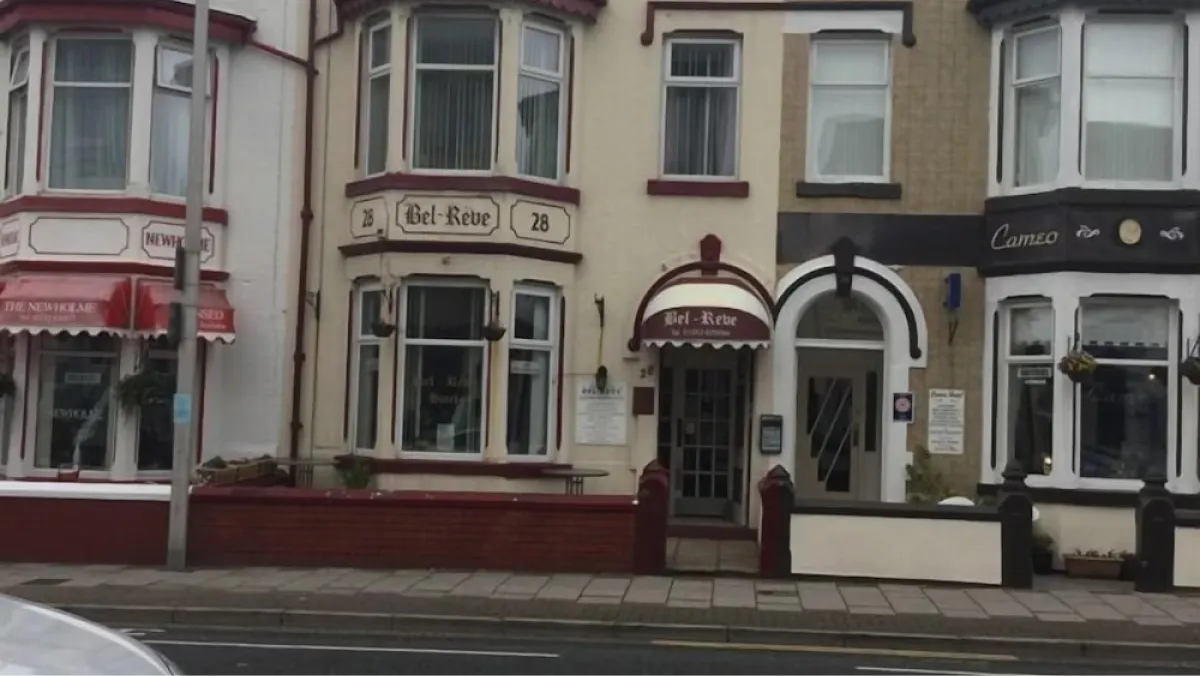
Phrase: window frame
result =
(552, 346)
(812, 172)
(1010, 86)
(415, 65)
(49, 86)
(371, 27)
(1173, 391)
(561, 78)
(1179, 88)
(358, 340)
(401, 366)
(14, 171)
(1007, 359)
(735, 81)
(43, 348)
(168, 43)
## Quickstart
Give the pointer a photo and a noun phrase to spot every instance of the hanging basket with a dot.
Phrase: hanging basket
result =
(493, 331)
(382, 329)
(1078, 366)
(1190, 368)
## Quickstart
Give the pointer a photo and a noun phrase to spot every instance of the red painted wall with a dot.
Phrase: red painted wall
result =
(50, 530)
(499, 531)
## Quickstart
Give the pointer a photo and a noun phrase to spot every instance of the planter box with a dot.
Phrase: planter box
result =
(1094, 567)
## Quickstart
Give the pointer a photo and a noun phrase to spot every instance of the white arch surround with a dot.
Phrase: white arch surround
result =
(897, 357)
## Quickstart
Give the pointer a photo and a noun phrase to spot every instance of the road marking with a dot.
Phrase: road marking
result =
(939, 671)
(138, 633)
(840, 650)
(348, 648)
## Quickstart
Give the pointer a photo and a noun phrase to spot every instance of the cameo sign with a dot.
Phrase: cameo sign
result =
(1003, 239)
(448, 215)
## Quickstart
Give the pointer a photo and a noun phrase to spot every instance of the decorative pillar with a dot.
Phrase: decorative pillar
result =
(1155, 528)
(1016, 529)
(775, 525)
(650, 520)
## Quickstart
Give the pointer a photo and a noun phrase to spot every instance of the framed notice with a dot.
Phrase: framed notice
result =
(601, 416)
(947, 421)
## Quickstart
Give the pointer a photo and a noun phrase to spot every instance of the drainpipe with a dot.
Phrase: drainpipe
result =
(306, 219)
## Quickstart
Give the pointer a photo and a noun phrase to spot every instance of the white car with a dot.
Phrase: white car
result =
(36, 639)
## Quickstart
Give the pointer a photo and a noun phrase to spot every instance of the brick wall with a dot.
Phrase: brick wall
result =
(524, 532)
(65, 530)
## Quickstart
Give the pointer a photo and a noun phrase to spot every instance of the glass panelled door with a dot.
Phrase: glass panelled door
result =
(829, 456)
(702, 481)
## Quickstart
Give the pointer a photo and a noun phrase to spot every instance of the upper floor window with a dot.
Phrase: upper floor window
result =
(700, 118)
(849, 106)
(170, 120)
(377, 68)
(1123, 124)
(539, 102)
(454, 92)
(18, 107)
(90, 125)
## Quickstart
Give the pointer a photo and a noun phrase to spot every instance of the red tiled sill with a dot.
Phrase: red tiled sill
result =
(677, 188)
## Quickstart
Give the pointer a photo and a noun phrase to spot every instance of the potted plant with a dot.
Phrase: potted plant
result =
(382, 329)
(1042, 552)
(355, 472)
(1095, 565)
(1077, 365)
(493, 331)
(926, 484)
(144, 388)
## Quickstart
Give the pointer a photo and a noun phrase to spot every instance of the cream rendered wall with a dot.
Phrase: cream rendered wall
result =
(627, 237)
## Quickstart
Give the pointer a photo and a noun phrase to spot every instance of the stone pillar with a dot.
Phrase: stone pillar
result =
(778, 497)
(1016, 529)
(1155, 523)
(650, 520)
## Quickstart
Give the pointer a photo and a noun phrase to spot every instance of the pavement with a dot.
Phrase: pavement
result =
(1059, 620)
(278, 652)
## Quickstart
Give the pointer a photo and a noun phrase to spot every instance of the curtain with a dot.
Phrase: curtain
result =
(539, 96)
(1031, 330)
(701, 131)
(1129, 100)
(849, 130)
(377, 122)
(17, 107)
(454, 107)
(367, 398)
(169, 132)
(1143, 324)
(1037, 122)
(89, 143)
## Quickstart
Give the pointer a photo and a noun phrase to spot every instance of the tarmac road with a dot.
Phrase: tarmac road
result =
(283, 652)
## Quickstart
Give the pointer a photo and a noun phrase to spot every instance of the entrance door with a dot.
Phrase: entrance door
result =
(836, 454)
(702, 476)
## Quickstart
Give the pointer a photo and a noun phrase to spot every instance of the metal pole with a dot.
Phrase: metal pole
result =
(181, 468)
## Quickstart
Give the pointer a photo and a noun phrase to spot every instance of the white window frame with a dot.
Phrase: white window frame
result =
(14, 161)
(403, 342)
(813, 173)
(166, 44)
(1172, 364)
(560, 78)
(359, 340)
(734, 81)
(371, 30)
(50, 86)
(1006, 359)
(1178, 91)
(550, 345)
(1011, 85)
(495, 68)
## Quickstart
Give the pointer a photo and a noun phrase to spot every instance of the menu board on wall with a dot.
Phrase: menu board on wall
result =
(601, 416)
(947, 421)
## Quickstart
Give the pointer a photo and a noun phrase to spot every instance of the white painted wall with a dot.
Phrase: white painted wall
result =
(898, 548)
(1104, 529)
(248, 382)
(1187, 557)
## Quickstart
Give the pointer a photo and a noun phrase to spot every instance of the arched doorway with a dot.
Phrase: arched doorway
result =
(848, 331)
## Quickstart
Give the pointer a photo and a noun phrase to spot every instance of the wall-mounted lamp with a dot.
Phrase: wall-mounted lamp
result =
(601, 369)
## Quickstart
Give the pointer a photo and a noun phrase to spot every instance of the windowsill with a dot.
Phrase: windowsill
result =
(69, 203)
(525, 469)
(464, 182)
(861, 190)
(697, 188)
(1075, 196)
(1088, 497)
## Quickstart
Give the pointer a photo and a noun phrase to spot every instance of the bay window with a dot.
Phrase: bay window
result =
(377, 59)
(849, 104)
(700, 115)
(1027, 386)
(1036, 99)
(444, 367)
(75, 408)
(169, 122)
(364, 405)
(1126, 63)
(539, 102)
(18, 106)
(454, 92)
(532, 371)
(1123, 411)
(92, 82)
